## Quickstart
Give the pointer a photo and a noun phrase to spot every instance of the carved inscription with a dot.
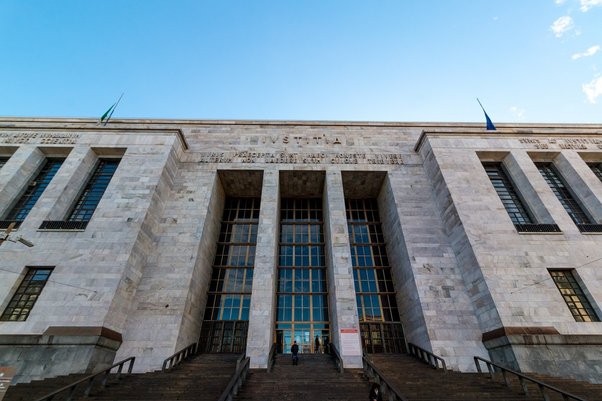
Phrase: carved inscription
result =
(563, 143)
(39, 137)
(302, 139)
(300, 158)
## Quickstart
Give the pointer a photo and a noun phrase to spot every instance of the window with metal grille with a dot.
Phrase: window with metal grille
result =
(88, 201)
(27, 294)
(508, 195)
(3, 161)
(597, 169)
(302, 292)
(562, 192)
(226, 317)
(573, 296)
(34, 190)
(380, 325)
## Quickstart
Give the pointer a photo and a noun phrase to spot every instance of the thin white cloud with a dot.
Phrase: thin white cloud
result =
(518, 112)
(560, 2)
(587, 4)
(593, 89)
(589, 52)
(562, 25)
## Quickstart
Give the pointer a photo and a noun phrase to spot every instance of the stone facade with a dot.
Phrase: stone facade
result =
(135, 281)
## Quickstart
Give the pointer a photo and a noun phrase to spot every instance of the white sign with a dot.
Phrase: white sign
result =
(350, 344)
(6, 375)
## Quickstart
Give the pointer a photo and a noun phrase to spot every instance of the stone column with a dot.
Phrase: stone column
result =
(341, 291)
(263, 295)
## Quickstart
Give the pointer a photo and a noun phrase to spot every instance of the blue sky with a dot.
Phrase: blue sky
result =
(421, 60)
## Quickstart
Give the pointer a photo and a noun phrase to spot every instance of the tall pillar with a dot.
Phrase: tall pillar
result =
(263, 294)
(341, 291)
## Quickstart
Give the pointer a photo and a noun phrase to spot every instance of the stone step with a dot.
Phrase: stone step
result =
(203, 377)
(314, 378)
(424, 383)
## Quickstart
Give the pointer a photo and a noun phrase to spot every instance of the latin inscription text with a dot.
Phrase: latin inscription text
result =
(300, 158)
(39, 137)
(563, 143)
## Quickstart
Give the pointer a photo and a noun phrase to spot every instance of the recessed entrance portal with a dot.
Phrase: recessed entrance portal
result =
(302, 309)
(225, 324)
(380, 324)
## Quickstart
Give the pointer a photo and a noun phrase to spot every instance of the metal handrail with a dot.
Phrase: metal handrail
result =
(179, 357)
(90, 380)
(237, 380)
(239, 360)
(337, 357)
(491, 366)
(389, 391)
(427, 356)
(271, 357)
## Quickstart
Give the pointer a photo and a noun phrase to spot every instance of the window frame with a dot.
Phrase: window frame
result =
(87, 188)
(512, 191)
(23, 294)
(565, 195)
(577, 292)
(23, 205)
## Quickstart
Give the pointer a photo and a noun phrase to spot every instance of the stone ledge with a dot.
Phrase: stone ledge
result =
(83, 331)
(504, 336)
(507, 331)
(66, 335)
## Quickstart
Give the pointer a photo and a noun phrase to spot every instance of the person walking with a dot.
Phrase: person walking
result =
(375, 394)
(317, 345)
(295, 352)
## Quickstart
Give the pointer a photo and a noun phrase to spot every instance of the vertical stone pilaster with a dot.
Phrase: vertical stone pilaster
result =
(16, 173)
(582, 181)
(341, 290)
(263, 295)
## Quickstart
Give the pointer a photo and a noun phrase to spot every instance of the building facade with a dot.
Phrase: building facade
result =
(151, 235)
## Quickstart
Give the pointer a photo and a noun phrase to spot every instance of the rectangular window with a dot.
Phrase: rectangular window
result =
(33, 191)
(377, 310)
(508, 195)
(562, 192)
(302, 290)
(523, 221)
(597, 169)
(27, 294)
(226, 317)
(90, 198)
(573, 296)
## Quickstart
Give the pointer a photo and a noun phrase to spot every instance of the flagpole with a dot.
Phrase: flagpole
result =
(114, 107)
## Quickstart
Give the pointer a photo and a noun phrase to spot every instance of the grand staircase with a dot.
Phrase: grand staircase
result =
(316, 378)
(202, 378)
(419, 382)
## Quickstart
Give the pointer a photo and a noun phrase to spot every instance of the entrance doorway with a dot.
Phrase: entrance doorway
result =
(305, 337)
(224, 336)
(382, 338)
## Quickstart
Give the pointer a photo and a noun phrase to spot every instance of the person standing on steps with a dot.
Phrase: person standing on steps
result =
(295, 351)
(317, 347)
(375, 394)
